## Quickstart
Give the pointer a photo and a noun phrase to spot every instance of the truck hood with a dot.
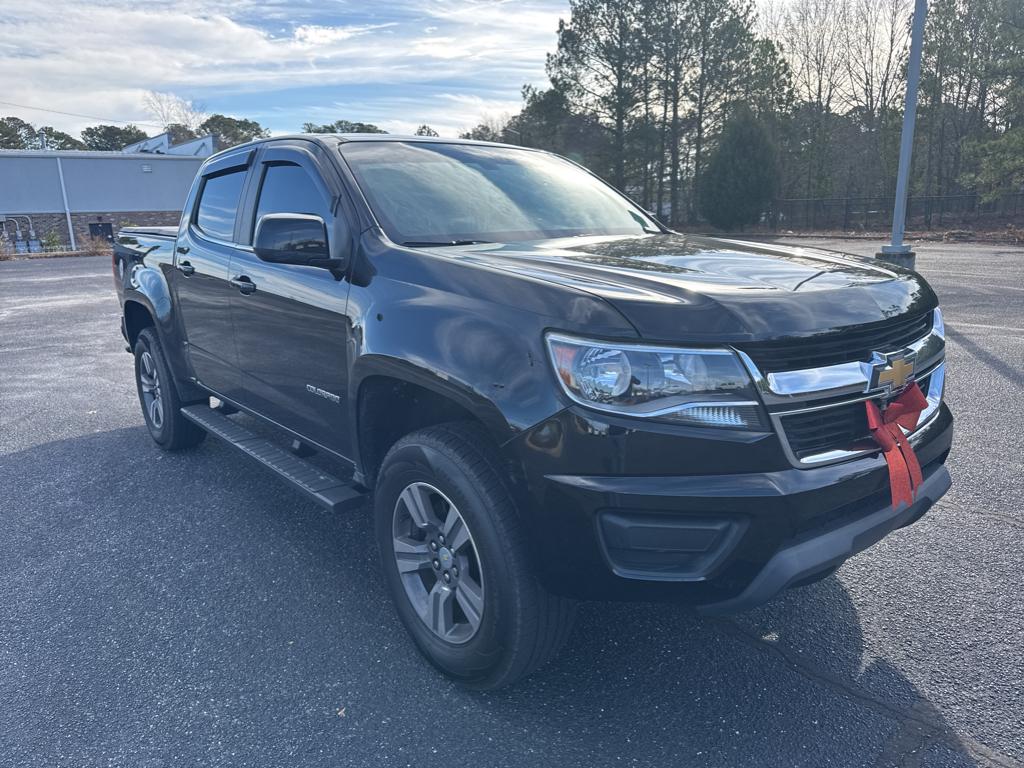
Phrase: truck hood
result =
(674, 287)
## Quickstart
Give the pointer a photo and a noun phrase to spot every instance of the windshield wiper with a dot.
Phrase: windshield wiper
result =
(644, 224)
(433, 243)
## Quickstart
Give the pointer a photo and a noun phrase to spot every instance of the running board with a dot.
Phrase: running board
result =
(327, 490)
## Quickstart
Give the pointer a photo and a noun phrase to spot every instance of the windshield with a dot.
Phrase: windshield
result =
(427, 193)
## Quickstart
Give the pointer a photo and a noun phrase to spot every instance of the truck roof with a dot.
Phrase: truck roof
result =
(346, 138)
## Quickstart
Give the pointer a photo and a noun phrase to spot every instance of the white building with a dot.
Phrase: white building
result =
(66, 196)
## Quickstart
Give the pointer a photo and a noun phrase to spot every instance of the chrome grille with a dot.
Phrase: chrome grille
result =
(839, 427)
(848, 345)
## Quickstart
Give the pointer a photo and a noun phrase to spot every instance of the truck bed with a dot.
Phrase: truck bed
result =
(154, 244)
(166, 232)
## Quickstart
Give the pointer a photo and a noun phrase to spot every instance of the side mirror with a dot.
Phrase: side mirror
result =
(294, 238)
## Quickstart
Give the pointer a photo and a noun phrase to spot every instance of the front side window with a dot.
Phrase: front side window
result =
(431, 192)
(287, 188)
(218, 204)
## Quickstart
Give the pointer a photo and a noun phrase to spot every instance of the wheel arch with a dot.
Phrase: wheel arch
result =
(392, 398)
(136, 317)
(139, 313)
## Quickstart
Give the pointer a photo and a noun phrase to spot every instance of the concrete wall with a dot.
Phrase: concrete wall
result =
(122, 184)
(95, 181)
(122, 189)
(29, 185)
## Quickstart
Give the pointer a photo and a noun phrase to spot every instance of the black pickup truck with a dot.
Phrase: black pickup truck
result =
(546, 394)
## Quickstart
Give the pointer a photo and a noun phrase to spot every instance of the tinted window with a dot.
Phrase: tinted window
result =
(422, 192)
(288, 188)
(219, 204)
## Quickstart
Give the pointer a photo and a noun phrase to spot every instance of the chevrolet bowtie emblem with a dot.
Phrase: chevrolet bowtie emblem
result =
(891, 372)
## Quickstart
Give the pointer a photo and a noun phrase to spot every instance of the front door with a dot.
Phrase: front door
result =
(200, 280)
(290, 324)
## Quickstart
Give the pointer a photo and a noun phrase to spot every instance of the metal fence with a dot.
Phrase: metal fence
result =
(875, 213)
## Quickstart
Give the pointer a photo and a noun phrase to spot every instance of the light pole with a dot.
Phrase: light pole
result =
(898, 252)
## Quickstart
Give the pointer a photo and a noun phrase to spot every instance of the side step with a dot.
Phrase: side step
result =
(332, 492)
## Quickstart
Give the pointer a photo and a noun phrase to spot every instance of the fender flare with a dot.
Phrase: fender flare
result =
(147, 287)
(451, 388)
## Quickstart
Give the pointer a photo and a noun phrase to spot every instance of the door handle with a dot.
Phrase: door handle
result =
(186, 269)
(182, 249)
(244, 284)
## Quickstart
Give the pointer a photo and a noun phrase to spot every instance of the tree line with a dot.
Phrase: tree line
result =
(181, 119)
(16, 133)
(708, 110)
(182, 124)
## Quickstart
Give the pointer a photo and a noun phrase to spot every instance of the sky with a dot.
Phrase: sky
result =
(397, 63)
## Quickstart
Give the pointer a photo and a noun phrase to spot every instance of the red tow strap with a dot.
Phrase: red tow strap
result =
(904, 469)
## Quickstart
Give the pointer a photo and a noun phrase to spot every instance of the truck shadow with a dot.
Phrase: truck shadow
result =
(138, 578)
(1010, 372)
(788, 684)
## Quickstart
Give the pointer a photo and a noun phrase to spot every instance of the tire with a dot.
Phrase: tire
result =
(521, 625)
(158, 396)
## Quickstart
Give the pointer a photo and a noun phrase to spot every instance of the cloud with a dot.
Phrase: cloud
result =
(448, 113)
(98, 57)
(315, 36)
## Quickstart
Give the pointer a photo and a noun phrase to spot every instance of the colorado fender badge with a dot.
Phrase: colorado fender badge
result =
(323, 393)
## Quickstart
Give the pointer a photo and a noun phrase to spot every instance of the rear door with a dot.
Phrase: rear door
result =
(290, 323)
(206, 243)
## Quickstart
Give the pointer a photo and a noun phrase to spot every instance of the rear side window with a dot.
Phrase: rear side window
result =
(218, 205)
(287, 188)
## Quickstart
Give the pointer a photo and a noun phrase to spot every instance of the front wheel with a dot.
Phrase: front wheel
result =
(455, 558)
(161, 406)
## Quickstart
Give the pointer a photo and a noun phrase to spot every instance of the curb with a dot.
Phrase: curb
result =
(50, 255)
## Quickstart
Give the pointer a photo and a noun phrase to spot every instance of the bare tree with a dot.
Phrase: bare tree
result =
(814, 36)
(490, 128)
(877, 42)
(771, 16)
(170, 109)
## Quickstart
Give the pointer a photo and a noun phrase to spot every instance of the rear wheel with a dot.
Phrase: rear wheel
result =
(158, 396)
(455, 558)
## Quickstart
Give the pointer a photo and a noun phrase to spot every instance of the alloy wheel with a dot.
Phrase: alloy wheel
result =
(438, 563)
(149, 383)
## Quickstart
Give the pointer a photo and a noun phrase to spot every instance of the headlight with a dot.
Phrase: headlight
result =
(707, 387)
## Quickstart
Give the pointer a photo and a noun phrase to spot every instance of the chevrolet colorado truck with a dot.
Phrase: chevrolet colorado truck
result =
(544, 394)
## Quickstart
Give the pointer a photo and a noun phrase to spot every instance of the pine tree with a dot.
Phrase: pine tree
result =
(741, 176)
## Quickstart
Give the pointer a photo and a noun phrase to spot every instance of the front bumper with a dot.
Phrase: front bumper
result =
(732, 535)
(809, 560)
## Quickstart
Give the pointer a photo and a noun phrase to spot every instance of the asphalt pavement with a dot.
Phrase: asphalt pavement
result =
(189, 610)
